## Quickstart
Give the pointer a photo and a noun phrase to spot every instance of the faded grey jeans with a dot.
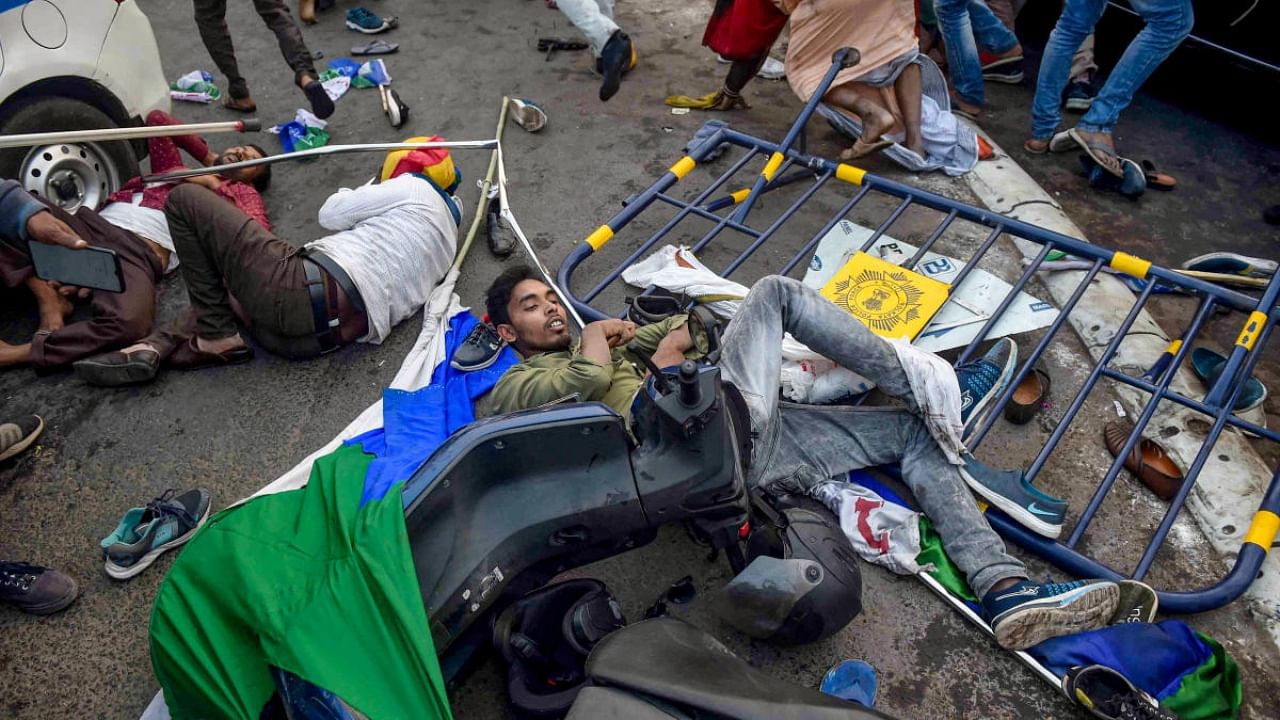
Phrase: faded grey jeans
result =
(801, 445)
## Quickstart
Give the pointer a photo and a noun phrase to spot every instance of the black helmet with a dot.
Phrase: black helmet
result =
(801, 583)
(545, 638)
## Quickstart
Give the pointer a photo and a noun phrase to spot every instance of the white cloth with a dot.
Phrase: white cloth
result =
(880, 532)
(937, 393)
(145, 222)
(593, 18)
(396, 241)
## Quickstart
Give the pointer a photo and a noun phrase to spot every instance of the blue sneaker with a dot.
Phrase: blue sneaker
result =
(1029, 613)
(1009, 490)
(982, 381)
(145, 533)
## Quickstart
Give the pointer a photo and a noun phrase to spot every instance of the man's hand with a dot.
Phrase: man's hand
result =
(672, 347)
(598, 337)
(618, 332)
(44, 227)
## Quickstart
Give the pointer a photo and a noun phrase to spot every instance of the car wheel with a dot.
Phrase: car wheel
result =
(67, 174)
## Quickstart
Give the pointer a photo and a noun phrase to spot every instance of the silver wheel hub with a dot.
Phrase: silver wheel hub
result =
(70, 175)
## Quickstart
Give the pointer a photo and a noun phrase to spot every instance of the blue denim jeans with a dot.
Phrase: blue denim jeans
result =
(967, 25)
(1167, 23)
(799, 446)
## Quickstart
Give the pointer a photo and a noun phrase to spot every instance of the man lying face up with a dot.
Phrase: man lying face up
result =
(391, 244)
(798, 446)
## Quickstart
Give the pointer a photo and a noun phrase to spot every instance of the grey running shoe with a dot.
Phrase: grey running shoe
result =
(1009, 490)
(982, 381)
(35, 589)
(145, 533)
(478, 350)
(1107, 694)
(1029, 613)
(18, 433)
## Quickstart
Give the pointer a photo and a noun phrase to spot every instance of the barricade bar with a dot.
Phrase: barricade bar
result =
(768, 233)
(1004, 305)
(1234, 421)
(808, 248)
(1135, 436)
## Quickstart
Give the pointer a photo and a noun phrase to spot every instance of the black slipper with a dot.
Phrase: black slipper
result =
(321, 105)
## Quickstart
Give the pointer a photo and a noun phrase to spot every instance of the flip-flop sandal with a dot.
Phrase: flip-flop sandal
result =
(376, 47)
(1062, 142)
(251, 107)
(1097, 153)
(862, 149)
(321, 103)
(1157, 180)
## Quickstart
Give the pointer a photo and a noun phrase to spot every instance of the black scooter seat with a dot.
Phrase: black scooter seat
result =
(675, 662)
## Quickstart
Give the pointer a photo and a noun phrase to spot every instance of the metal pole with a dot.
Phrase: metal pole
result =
(318, 152)
(128, 133)
(484, 187)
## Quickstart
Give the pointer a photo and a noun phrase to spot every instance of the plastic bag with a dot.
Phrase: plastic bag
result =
(195, 86)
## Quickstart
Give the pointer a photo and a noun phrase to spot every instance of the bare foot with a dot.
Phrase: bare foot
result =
(219, 345)
(307, 11)
(53, 318)
(1036, 147)
(876, 121)
(1101, 148)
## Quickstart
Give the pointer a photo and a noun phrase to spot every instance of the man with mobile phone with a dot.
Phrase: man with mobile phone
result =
(133, 226)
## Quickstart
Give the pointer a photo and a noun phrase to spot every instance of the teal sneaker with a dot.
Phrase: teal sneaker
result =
(1009, 490)
(1208, 364)
(1029, 613)
(982, 381)
(145, 533)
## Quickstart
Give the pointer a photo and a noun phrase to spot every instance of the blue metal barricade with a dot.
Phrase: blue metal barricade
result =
(786, 165)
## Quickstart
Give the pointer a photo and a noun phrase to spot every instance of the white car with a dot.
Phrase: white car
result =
(76, 65)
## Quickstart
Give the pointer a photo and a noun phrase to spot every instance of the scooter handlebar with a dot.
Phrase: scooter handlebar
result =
(251, 125)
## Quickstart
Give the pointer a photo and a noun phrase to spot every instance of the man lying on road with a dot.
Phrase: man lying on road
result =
(392, 243)
(132, 223)
(801, 445)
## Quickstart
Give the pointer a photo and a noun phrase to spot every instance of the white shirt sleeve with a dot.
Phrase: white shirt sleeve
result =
(347, 207)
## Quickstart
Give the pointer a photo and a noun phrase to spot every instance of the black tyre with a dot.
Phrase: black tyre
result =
(68, 174)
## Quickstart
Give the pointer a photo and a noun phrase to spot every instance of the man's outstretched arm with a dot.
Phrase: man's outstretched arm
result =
(22, 218)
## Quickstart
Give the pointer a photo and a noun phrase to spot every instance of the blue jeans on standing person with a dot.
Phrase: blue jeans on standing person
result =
(1168, 22)
(967, 25)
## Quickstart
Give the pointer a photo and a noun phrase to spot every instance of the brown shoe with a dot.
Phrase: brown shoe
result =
(118, 368)
(34, 589)
(1148, 461)
(1028, 397)
(189, 357)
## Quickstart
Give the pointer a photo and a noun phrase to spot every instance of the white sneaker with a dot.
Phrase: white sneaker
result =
(772, 70)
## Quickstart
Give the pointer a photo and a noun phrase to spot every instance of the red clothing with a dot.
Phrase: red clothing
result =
(166, 158)
(743, 29)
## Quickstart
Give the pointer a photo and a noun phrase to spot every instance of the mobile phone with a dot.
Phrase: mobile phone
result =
(91, 267)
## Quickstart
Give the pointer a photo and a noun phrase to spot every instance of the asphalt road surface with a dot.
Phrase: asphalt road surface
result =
(233, 430)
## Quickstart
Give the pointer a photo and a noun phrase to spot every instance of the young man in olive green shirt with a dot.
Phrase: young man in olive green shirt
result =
(800, 447)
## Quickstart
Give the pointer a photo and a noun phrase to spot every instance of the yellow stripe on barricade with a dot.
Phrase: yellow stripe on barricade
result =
(850, 174)
(1130, 264)
(771, 167)
(682, 167)
(1262, 531)
(740, 195)
(1252, 327)
(1174, 347)
(601, 236)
